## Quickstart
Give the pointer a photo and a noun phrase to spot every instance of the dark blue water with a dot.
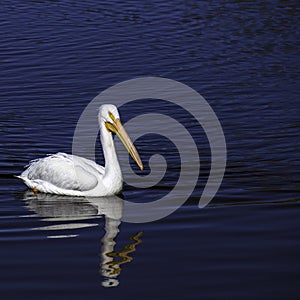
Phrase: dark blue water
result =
(243, 57)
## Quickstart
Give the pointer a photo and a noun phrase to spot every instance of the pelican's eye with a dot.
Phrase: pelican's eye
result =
(110, 127)
(111, 116)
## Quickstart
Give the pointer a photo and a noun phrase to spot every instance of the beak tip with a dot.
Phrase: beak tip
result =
(142, 167)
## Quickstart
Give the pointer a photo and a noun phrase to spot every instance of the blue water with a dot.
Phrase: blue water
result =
(243, 57)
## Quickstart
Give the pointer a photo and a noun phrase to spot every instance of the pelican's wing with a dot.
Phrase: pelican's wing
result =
(65, 171)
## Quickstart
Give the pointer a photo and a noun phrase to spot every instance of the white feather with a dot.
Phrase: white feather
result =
(66, 174)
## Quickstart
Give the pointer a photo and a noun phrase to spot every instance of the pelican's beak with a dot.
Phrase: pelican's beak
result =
(117, 128)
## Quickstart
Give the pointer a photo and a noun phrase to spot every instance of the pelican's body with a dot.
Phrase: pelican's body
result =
(72, 175)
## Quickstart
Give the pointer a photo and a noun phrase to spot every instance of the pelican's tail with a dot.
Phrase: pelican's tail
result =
(24, 179)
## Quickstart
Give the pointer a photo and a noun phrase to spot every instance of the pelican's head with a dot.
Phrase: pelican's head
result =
(110, 118)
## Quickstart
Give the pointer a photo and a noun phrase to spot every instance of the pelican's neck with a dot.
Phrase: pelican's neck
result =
(112, 167)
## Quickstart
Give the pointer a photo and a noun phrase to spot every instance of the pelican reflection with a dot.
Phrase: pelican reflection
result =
(70, 211)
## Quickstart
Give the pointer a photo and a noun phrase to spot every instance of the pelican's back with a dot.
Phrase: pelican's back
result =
(62, 171)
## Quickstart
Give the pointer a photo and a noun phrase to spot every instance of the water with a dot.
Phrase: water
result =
(56, 56)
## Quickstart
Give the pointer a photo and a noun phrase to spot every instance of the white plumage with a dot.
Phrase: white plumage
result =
(72, 175)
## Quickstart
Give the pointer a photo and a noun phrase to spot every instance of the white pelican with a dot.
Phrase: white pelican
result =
(65, 174)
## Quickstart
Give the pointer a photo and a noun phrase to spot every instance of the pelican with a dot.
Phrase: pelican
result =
(72, 175)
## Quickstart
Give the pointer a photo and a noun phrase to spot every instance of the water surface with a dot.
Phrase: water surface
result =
(56, 56)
